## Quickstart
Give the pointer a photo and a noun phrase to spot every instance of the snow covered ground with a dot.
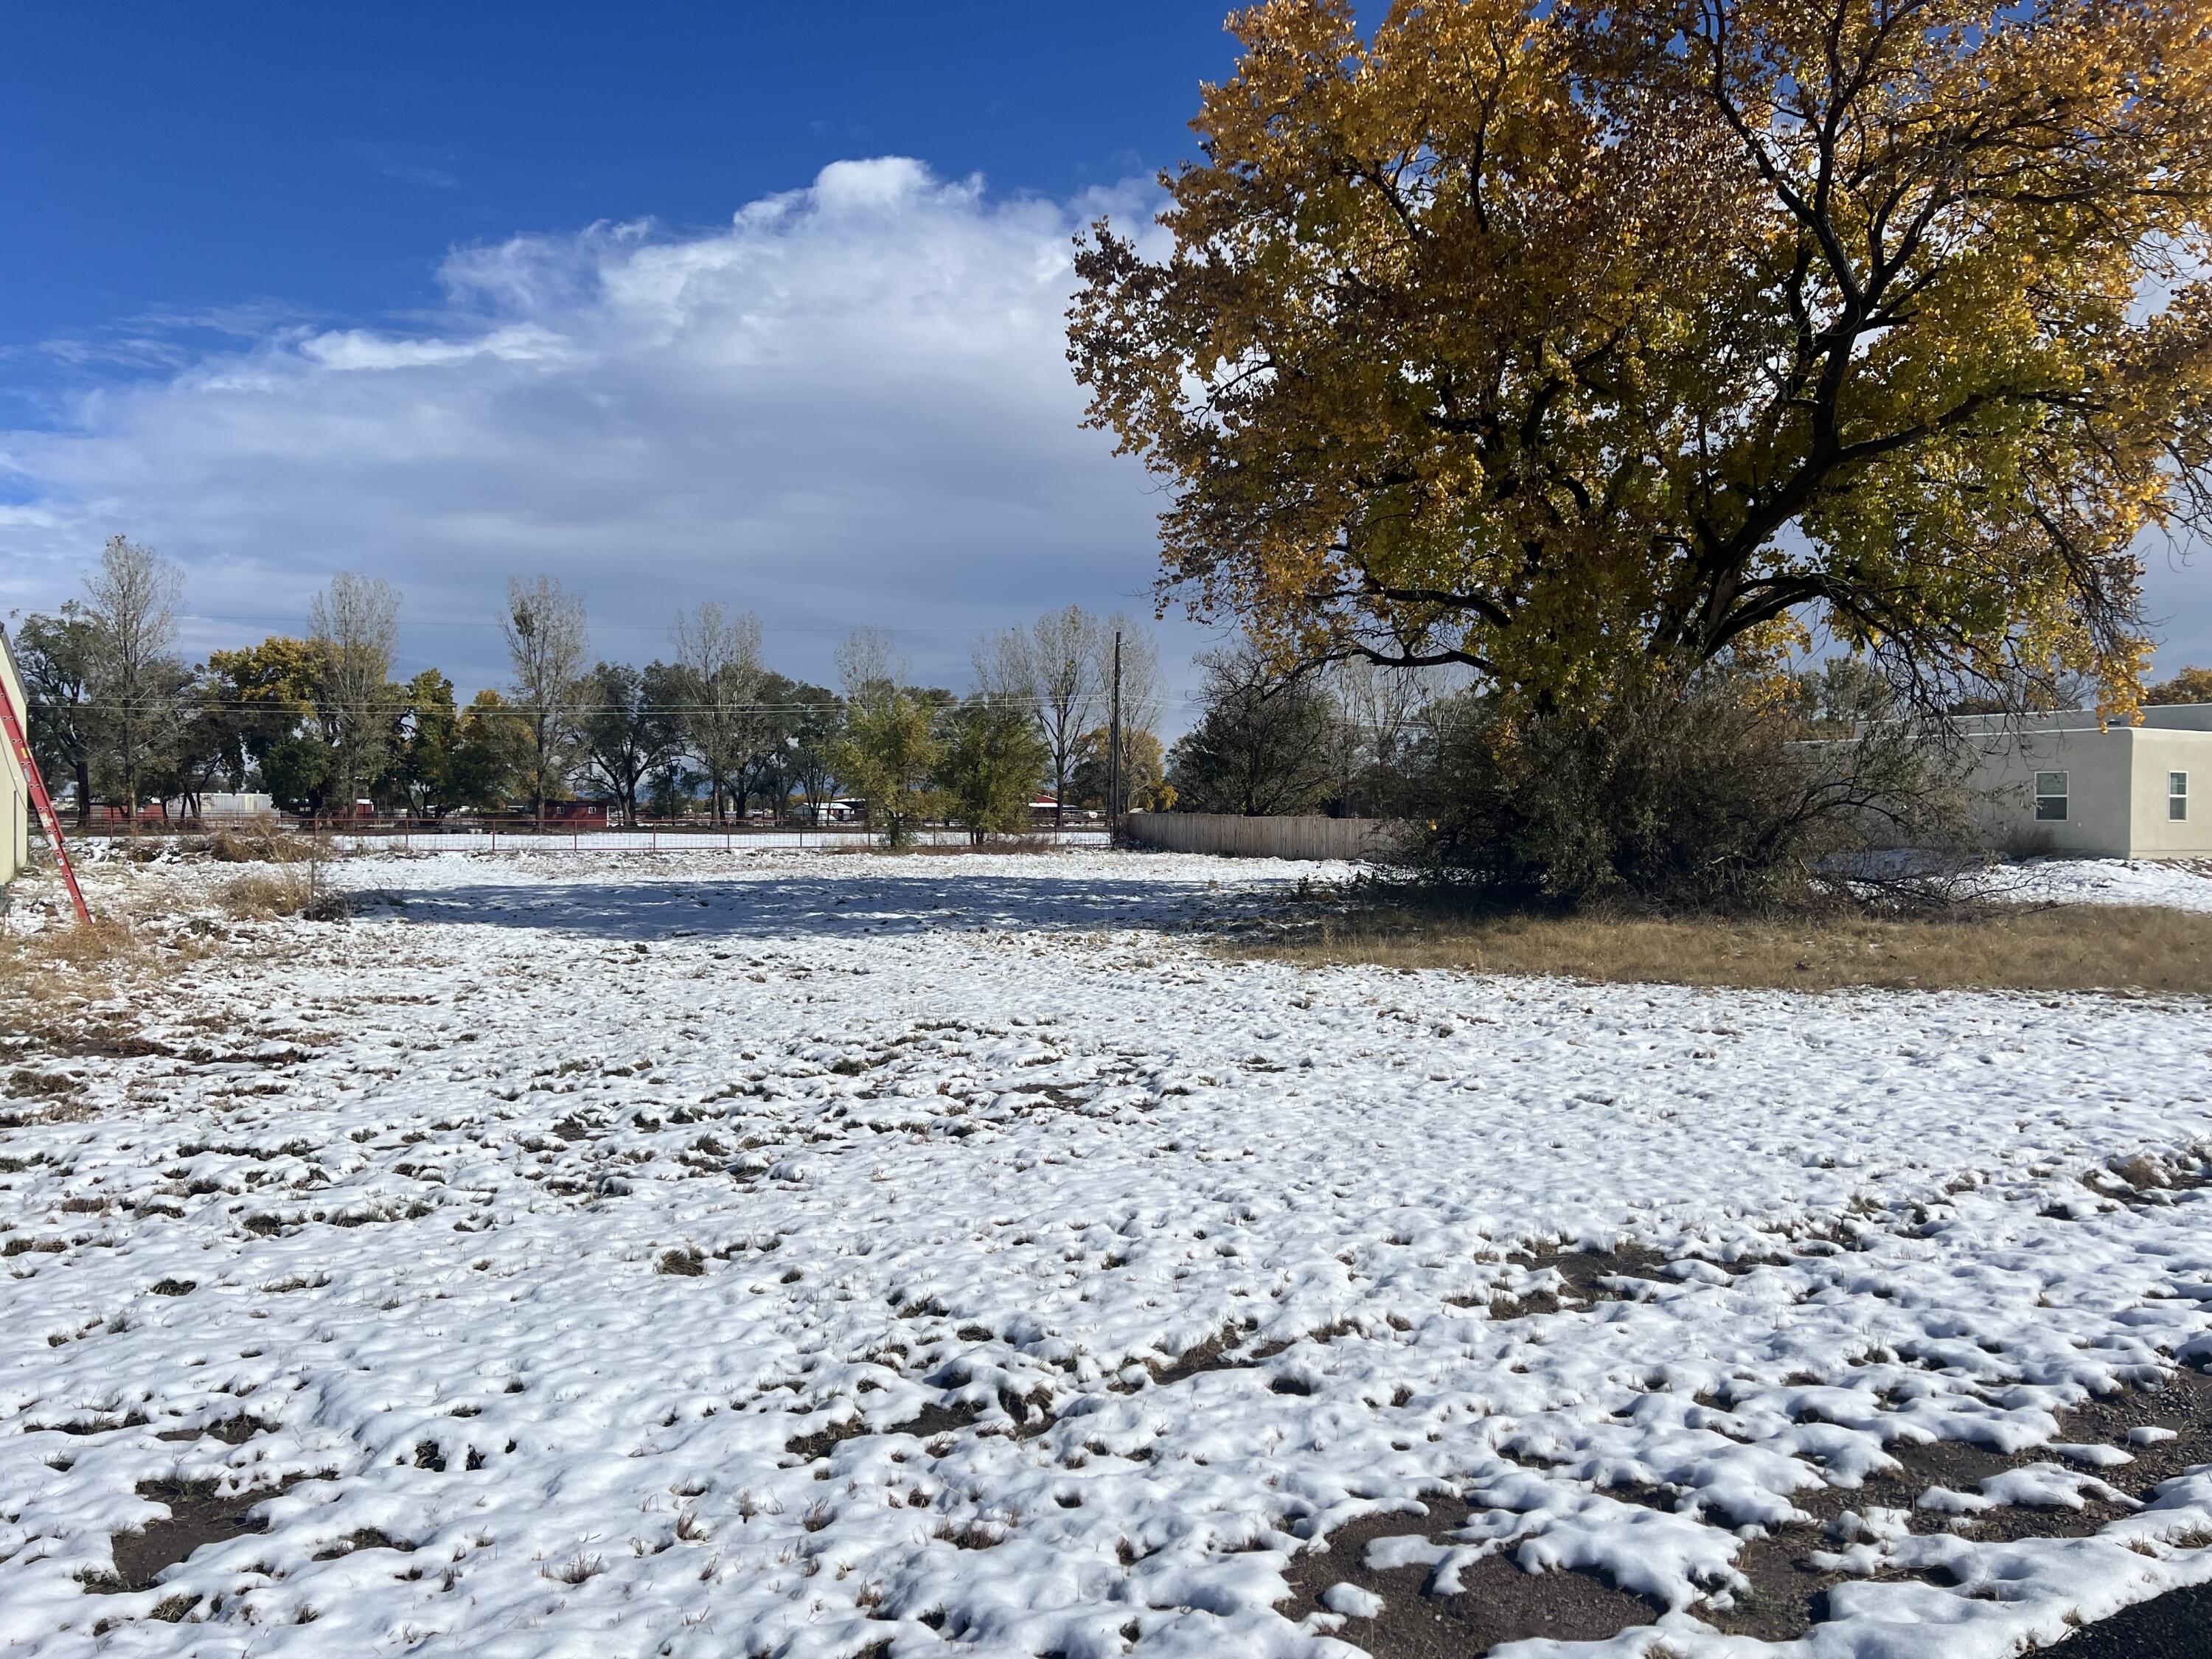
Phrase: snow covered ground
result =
(2178, 886)
(824, 1255)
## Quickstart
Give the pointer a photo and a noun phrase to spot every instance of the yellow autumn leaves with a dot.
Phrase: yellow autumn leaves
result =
(1565, 339)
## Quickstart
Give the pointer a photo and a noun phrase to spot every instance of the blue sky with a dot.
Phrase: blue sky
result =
(279, 273)
(182, 160)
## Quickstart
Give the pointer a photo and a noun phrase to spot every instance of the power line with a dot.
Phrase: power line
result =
(274, 706)
(412, 621)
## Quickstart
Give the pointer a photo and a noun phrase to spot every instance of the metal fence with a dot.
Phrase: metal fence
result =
(1302, 836)
(485, 835)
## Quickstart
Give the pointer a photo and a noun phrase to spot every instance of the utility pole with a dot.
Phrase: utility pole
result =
(1113, 756)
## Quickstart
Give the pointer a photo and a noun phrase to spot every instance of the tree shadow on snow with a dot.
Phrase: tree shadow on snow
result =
(861, 905)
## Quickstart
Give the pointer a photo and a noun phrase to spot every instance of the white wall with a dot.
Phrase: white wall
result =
(15, 791)
(2117, 783)
(2157, 834)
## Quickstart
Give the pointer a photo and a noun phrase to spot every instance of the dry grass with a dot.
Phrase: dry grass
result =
(266, 895)
(2070, 948)
(994, 843)
(259, 842)
(69, 958)
(61, 982)
(856, 846)
(251, 841)
(50, 979)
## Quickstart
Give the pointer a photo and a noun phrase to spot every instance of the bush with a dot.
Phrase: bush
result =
(265, 895)
(1713, 794)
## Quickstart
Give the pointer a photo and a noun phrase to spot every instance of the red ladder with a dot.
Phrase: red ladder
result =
(48, 818)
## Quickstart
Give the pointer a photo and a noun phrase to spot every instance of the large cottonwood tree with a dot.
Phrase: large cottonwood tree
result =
(1565, 340)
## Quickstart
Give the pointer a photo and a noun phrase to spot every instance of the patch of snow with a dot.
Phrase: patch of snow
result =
(2168, 884)
(1351, 1602)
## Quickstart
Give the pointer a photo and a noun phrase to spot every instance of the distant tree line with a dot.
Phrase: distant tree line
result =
(1344, 739)
(318, 723)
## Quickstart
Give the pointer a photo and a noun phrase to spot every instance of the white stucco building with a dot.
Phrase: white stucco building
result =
(14, 788)
(2059, 784)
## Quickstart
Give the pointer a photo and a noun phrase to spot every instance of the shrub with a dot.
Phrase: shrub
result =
(264, 896)
(1716, 792)
(259, 840)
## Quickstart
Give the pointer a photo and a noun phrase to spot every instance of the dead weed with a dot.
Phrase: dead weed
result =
(53, 972)
(268, 895)
(61, 984)
(258, 843)
(265, 895)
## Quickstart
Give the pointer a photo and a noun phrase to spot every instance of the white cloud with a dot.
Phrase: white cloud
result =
(849, 406)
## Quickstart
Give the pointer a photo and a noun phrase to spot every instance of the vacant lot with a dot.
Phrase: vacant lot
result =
(816, 1254)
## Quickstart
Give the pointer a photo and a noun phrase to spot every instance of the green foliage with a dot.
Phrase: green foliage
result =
(56, 655)
(629, 725)
(993, 757)
(261, 705)
(297, 769)
(421, 769)
(886, 757)
(493, 759)
(1721, 794)
(269, 710)
(450, 760)
(2190, 685)
(812, 726)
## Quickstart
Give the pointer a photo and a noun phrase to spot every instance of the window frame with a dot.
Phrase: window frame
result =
(2176, 797)
(2062, 796)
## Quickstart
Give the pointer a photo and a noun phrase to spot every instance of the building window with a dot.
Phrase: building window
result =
(2177, 795)
(2050, 797)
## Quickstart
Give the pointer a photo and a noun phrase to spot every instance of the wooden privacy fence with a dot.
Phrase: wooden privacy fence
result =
(1304, 836)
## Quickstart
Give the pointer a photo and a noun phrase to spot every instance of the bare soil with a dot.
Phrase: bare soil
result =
(2178, 1625)
(1499, 1602)
(200, 1513)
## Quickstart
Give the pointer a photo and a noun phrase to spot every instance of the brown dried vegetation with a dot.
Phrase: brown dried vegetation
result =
(2067, 948)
